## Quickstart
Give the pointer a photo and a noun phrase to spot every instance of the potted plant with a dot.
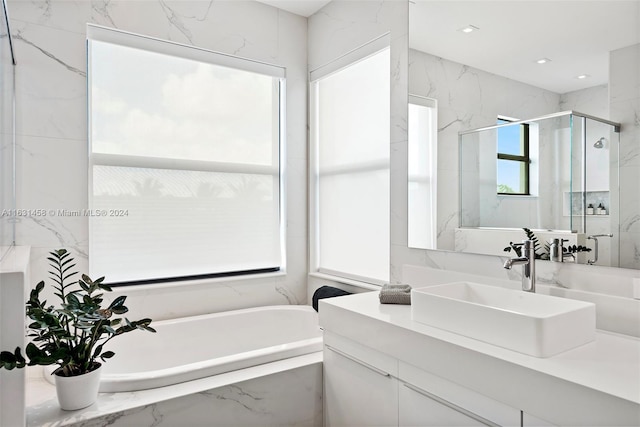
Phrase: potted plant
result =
(73, 334)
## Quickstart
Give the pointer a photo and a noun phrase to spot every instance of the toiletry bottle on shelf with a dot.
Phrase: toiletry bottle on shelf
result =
(590, 209)
(601, 210)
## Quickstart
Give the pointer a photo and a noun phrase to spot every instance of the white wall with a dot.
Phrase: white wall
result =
(52, 128)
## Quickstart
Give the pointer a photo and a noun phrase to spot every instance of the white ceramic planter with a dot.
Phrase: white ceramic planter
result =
(78, 392)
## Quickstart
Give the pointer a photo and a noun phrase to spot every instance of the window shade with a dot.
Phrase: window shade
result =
(184, 161)
(352, 134)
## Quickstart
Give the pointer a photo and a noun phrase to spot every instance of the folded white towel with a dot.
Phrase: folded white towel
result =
(395, 294)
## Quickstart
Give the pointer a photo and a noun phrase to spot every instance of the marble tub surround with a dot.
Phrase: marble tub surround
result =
(287, 392)
(594, 384)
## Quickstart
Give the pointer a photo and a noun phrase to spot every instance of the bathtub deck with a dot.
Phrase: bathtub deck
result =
(43, 409)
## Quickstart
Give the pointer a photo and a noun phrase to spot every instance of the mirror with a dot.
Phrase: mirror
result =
(481, 61)
(543, 174)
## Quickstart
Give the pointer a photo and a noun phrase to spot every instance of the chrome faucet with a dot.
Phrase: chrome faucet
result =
(556, 251)
(528, 263)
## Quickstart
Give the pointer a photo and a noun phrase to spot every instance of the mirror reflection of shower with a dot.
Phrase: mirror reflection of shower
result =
(569, 161)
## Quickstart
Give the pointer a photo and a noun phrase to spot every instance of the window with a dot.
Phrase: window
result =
(513, 158)
(185, 147)
(422, 179)
(350, 129)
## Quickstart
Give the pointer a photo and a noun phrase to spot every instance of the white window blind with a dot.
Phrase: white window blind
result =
(184, 160)
(351, 134)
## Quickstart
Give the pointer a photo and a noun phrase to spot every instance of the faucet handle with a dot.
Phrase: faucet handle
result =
(525, 243)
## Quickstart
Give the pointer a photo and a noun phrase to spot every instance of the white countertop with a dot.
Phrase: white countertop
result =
(609, 365)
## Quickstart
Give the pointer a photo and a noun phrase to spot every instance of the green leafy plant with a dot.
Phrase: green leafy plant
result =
(74, 334)
(542, 252)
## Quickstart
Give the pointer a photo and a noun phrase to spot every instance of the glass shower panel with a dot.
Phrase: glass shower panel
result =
(7, 137)
(561, 172)
(471, 168)
(507, 188)
(600, 189)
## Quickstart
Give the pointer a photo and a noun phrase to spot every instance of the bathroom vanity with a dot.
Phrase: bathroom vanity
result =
(383, 368)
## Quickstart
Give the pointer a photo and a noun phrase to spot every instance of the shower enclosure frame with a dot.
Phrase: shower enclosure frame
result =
(616, 127)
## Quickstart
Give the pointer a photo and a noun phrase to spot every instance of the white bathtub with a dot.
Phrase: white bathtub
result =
(195, 347)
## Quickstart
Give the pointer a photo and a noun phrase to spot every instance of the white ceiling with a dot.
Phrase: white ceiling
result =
(576, 35)
(304, 8)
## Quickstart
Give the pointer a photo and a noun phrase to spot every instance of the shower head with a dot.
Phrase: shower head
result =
(599, 143)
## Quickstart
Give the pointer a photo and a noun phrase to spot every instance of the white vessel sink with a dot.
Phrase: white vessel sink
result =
(533, 324)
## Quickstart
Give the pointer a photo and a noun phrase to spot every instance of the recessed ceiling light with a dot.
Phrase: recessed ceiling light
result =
(583, 76)
(469, 29)
(543, 60)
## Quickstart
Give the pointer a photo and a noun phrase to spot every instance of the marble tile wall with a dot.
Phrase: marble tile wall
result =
(468, 98)
(52, 166)
(624, 105)
(593, 101)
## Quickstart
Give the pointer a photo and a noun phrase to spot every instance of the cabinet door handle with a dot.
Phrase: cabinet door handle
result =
(358, 361)
(451, 405)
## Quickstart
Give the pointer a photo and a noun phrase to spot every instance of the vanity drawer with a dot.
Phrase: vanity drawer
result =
(448, 397)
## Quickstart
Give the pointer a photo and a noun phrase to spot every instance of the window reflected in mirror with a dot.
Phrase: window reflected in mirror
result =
(423, 154)
(513, 158)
